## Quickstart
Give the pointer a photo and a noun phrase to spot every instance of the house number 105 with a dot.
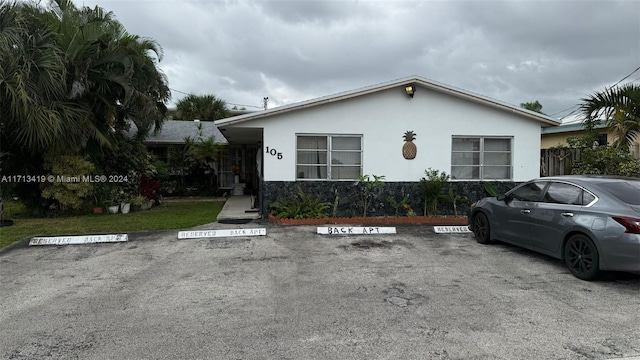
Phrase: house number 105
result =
(274, 152)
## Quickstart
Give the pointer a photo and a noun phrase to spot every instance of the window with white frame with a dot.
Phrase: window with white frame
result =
(328, 157)
(481, 158)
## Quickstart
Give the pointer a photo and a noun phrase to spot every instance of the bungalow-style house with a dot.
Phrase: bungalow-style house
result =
(323, 145)
(175, 132)
(557, 136)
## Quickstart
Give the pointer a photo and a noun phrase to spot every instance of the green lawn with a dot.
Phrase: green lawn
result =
(169, 215)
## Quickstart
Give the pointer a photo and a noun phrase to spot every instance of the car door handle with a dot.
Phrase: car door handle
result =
(526, 211)
(567, 214)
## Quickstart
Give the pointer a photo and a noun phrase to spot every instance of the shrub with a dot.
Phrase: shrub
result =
(607, 160)
(70, 193)
(432, 189)
(368, 185)
(149, 188)
(301, 206)
(454, 198)
(398, 204)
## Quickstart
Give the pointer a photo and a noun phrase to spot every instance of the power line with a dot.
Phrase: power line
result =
(561, 111)
(575, 106)
(569, 114)
(621, 80)
(181, 92)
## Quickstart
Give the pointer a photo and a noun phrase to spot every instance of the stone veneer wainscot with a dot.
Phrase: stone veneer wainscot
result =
(349, 192)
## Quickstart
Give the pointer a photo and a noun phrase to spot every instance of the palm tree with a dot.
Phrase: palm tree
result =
(34, 111)
(202, 107)
(533, 106)
(619, 107)
(70, 80)
(112, 73)
(74, 76)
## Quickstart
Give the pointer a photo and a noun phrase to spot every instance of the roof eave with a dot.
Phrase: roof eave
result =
(487, 101)
(375, 88)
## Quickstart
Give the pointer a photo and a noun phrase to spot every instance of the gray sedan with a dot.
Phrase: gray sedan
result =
(591, 222)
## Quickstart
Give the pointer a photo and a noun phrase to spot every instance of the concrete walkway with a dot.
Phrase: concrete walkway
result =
(237, 209)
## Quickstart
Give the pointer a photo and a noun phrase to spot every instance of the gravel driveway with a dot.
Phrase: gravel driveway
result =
(294, 294)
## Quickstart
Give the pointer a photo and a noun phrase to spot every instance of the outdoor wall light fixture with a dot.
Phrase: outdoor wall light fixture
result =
(410, 89)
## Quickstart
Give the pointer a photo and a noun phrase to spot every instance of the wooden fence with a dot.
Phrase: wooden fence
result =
(558, 161)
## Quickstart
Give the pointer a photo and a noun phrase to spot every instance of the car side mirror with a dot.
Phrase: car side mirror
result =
(503, 197)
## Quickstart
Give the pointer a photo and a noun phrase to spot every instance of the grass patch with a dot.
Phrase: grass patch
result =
(170, 215)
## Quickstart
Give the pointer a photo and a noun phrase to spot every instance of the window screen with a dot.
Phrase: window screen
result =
(326, 157)
(480, 158)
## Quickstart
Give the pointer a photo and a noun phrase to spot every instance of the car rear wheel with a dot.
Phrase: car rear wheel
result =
(481, 228)
(581, 257)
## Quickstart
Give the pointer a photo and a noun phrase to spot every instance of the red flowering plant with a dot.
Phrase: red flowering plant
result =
(149, 188)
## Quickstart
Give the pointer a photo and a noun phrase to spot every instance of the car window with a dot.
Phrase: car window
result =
(626, 191)
(529, 192)
(561, 193)
(587, 198)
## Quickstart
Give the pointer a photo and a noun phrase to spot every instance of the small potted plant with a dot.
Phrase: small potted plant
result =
(150, 189)
(97, 208)
(235, 169)
(139, 202)
(112, 208)
(117, 199)
(100, 193)
(125, 206)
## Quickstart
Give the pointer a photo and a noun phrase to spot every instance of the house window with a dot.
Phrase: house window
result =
(329, 157)
(481, 158)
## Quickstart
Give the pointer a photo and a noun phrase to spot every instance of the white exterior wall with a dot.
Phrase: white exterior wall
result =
(382, 119)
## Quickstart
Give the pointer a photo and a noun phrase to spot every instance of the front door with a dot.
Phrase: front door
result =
(238, 165)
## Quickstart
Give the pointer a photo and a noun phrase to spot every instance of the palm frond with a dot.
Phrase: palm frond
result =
(619, 107)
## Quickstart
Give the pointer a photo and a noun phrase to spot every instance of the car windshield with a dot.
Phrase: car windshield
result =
(625, 191)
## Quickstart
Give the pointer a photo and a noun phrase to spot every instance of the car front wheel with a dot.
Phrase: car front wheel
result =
(581, 257)
(481, 228)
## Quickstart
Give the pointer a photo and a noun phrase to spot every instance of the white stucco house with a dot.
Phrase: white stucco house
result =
(323, 144)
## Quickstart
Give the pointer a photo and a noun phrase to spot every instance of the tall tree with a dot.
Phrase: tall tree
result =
(35, 112)
(70, 81)
(201, 107)
(111, 72)
(533, 106)
(619, 107)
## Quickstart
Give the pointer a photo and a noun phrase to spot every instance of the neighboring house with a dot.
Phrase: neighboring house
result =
(174, 132)
(553, 137)
(557, 136)
(324, 144)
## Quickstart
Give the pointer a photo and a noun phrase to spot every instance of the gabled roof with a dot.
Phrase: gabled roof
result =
(418, 80)
(175, 131)
(565, 128)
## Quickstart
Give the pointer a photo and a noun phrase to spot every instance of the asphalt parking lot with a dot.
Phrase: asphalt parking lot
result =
(294, 294)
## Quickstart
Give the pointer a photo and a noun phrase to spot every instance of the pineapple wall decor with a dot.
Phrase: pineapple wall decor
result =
(409, 150)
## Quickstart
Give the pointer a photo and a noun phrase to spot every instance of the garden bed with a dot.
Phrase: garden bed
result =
(424, 220)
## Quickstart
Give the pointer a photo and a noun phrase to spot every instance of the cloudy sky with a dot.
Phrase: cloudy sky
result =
(556, 52)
